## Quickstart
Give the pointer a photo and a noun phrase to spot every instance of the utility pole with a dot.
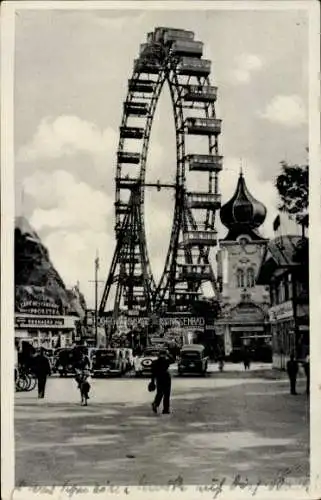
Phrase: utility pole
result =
(96, 298)
(96, 281)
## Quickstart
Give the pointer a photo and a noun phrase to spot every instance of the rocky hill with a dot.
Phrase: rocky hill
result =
(36, 279)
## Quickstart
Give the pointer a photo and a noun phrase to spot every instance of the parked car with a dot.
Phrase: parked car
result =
(108, 362)
(192, 359)
(143, 363)
(64, 364)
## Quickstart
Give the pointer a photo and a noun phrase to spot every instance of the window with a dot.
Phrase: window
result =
(240, 278)
(290, 286)
(282, 292)
(250, 278)
(286, 289)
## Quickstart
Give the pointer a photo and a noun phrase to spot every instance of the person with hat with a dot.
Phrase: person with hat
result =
(162, 379)
(42, 370)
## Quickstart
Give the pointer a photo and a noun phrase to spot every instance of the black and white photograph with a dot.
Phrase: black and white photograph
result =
(160, 326)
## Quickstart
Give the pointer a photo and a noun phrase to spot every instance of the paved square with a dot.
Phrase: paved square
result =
(222, 425)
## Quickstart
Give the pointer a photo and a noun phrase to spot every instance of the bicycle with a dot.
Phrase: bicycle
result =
(25, 381)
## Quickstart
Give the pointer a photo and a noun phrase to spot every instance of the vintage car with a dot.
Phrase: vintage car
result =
(64, 363)
(192, 359)
(108, 362)
(143, 363)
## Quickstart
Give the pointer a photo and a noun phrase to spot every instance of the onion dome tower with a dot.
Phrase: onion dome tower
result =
(242, 214)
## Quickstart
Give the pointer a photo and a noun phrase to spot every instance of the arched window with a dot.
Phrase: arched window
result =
(240, 278)
(250, 278)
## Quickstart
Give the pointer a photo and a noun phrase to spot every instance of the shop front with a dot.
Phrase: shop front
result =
(244, 326)
(283, 333)
(42, 325)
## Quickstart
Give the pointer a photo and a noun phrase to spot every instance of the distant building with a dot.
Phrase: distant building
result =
(285, 268)
(244, 318)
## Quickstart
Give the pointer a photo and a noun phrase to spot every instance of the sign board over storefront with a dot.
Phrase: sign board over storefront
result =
(247, 328)
(39, 308)
(281, 311)
(56, 322)
(245, 314)
(41, 322)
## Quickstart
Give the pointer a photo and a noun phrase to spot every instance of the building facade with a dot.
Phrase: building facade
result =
(41, 324)
(284, 268)
(244, 320)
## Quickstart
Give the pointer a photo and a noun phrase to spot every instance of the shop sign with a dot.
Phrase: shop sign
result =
(246, 314)
(281, 311)
(247, 328)
(41, 308)
(25, 322)
(157, 340)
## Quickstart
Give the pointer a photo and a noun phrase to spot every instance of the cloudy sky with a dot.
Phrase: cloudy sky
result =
(71, 72)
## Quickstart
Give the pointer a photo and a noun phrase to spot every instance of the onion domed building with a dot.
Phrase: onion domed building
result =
(244, 320)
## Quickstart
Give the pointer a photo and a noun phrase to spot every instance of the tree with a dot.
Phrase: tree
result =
(293, 188)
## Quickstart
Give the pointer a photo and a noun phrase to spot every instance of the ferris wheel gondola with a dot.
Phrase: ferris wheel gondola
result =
(172, 57)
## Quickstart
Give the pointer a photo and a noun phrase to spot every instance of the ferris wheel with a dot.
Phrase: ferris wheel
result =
(172, 57)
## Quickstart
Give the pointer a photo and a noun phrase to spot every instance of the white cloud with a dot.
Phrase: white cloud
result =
(67, 136)
(288, 110)
(250, 62)
(76, 220)
(73, 254)
(246, 64)
(64, 202)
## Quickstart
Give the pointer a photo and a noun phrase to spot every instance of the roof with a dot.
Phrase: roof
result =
(279, 253)
(242, 214)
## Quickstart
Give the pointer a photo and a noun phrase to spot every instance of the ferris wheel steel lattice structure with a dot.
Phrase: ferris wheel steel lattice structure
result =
(169, 56)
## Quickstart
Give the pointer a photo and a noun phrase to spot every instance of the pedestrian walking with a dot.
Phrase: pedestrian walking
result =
(82, 374)
(42, 370)
(307, 374)
(246, 359)
(292, 369)
(162, 379)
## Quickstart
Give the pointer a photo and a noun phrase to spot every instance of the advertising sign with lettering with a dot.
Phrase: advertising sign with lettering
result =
(281, 311)
(43, 308)
(24, 322)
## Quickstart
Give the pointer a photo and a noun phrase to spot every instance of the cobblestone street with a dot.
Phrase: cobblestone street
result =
(225, 424)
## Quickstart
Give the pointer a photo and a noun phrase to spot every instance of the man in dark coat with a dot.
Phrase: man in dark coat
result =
(161, 376)
(292, 369)
(42, 370)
